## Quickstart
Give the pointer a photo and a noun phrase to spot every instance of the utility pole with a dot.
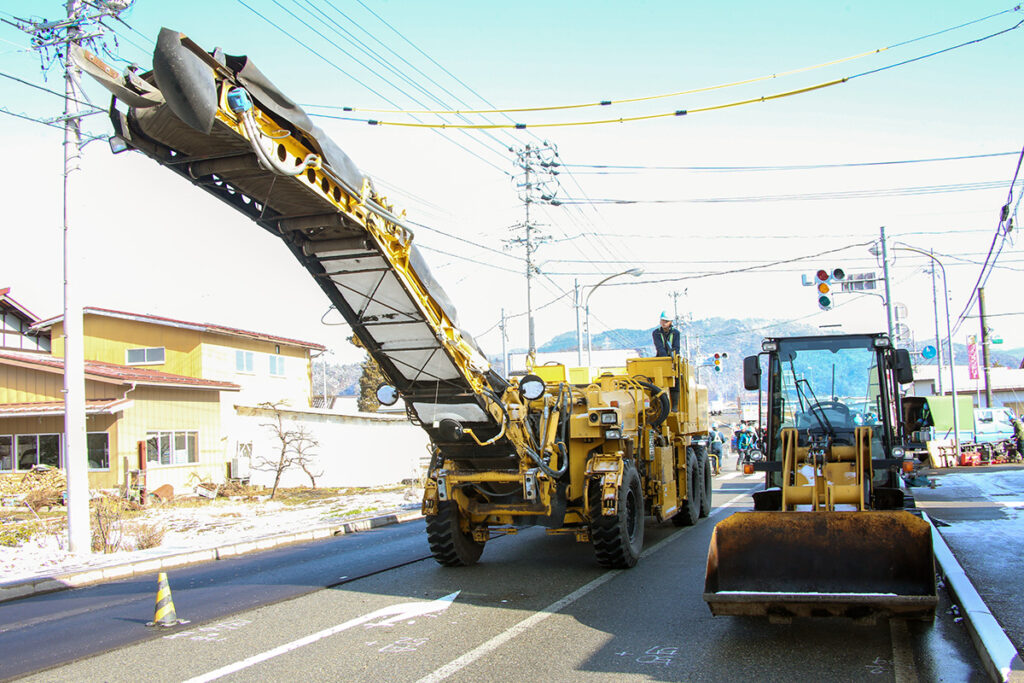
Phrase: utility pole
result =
(504, 350)
(938, 341)
(576, 309)
(536, 184)
(83, 25)
(678, 324)
(984, 345)
(888, 292)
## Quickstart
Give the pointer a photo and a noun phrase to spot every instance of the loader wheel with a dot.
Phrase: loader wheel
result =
(450, 545)
(690, 512)
(705, 490)
(618, 540)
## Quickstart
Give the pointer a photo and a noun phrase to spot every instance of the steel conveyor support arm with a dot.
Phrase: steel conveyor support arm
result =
(218, 122)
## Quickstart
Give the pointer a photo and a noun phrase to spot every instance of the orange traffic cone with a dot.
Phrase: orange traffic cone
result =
(164, 614)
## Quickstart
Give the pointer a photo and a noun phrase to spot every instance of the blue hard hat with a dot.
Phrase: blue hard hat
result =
(665, 316)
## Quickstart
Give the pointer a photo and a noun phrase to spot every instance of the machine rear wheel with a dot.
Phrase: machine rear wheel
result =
(450, 545)
(619, 539)
(705, 492)
(689, 514)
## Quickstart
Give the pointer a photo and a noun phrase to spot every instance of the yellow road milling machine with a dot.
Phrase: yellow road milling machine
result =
(588, 459)
(831, 533)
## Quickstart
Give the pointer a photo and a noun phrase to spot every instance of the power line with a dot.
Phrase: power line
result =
(350, 38)
(790, 167)
(354, 78)
(1002, 229)
(810, 196)
(679, 112)
(749, 268)
(610, 102)
(466, 258)
(463, 239)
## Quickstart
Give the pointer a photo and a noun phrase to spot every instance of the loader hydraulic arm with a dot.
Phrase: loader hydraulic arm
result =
(218, 122)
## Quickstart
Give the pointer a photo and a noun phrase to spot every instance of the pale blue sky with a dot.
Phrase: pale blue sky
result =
(144, 225)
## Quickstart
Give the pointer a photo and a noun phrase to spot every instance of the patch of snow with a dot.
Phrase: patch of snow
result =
(206, 525)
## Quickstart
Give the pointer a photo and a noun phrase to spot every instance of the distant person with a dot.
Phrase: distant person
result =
(666, 337)
(715, 443)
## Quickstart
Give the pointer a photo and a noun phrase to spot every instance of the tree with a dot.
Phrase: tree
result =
(371, 378)
(294, 448)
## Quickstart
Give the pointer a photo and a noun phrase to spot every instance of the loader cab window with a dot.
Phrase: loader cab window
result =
(827, 386)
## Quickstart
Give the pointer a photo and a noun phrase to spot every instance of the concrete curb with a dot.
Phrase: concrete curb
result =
(1002, 661)
(86, 577)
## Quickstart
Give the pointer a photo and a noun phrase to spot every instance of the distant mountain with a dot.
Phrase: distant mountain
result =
(738, 338)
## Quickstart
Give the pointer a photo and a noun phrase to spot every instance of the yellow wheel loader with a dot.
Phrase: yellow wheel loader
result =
(832, 532)
(588, 459)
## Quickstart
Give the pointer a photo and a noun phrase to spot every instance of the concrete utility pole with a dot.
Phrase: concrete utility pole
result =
(537, 185)
(678, 323)
(576, 309)
(83, 25)
(949, 342)
(938, 341)
(984, 346)
(75, 453)
(504, 349)
(888, 293)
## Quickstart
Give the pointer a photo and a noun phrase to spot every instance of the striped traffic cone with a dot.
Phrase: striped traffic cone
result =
(164, 615)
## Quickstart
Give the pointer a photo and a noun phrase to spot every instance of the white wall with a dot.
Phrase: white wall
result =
(259, 386)
(354, 450)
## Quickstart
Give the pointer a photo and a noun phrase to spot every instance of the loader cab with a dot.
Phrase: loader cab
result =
(826, 387)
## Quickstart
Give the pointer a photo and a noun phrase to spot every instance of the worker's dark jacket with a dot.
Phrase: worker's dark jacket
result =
(665, 342)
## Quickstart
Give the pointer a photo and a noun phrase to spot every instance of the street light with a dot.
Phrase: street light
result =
(949, 342)
(635, 272)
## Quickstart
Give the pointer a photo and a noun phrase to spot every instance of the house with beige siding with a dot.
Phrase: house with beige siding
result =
(162, 395)
(136, 419)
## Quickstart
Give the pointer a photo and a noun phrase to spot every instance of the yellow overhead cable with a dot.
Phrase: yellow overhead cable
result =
(605, 103)
(625, 119)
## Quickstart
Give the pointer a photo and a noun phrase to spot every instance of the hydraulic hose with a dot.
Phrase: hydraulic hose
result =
(241, 104)
(662, 396)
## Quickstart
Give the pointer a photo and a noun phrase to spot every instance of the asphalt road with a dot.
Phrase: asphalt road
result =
(536, 608)
(981, 527)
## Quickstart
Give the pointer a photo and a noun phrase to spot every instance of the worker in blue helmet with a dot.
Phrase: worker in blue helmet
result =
(666, 337)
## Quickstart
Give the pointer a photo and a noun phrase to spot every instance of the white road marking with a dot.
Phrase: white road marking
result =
(902, 652)
(555, 607)
(394, 613)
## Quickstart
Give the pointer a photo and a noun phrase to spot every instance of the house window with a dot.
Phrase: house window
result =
(6, 453)
(277, 366)
(243, 361)
(172, 448)
(98, 447)
(38, 449)
(146, 356)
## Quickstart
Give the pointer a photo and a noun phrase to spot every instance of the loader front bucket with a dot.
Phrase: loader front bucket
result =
(862, 565)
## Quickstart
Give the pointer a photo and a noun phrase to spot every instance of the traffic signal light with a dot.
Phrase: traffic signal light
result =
(718, 358)
(823, 281)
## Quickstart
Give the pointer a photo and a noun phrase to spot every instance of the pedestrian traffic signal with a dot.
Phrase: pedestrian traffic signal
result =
(823, 283)
(718, 358)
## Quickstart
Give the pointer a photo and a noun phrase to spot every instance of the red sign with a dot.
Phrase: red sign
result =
(972, 356)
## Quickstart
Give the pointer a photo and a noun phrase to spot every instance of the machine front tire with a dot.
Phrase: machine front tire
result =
(449, 544)
(619, 539)
(690, 513)
(705, 492)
